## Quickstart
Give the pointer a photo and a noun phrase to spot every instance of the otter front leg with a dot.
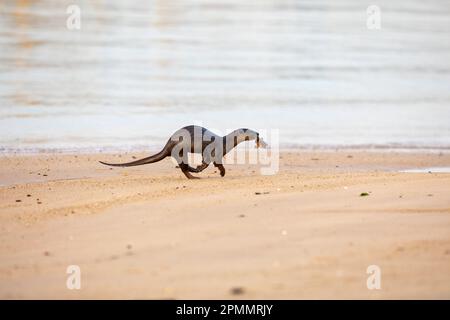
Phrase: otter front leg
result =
(185, 169)
(221, 168)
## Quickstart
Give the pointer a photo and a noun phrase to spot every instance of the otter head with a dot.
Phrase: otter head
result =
(248, 134)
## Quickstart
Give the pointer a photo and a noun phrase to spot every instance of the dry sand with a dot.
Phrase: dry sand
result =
(148, 232)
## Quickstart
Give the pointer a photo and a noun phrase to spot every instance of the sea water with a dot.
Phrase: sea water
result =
(136, 71)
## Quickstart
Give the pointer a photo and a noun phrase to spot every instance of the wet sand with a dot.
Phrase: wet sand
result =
(148, 232)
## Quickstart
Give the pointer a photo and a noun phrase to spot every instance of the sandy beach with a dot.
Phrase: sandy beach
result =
(148, 232)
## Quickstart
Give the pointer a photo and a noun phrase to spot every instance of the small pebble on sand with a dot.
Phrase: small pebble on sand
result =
(237, 290)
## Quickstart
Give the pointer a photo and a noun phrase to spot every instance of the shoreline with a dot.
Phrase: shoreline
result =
(4, 151)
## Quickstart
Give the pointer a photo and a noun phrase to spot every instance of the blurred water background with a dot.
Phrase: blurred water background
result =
(138, 70)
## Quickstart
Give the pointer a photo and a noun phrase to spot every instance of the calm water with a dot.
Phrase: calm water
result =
(138, 70)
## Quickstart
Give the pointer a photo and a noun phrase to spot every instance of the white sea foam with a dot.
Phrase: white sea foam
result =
(428, 170)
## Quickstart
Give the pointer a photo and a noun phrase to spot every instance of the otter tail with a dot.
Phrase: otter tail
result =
(154, 158)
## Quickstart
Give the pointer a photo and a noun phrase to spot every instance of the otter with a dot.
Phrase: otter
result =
(196, 139)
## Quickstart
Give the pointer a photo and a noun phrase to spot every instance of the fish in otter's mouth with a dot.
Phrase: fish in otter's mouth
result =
(260, 143)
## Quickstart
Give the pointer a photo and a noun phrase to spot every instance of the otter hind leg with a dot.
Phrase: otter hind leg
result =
(185, 169)
(199, 168)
